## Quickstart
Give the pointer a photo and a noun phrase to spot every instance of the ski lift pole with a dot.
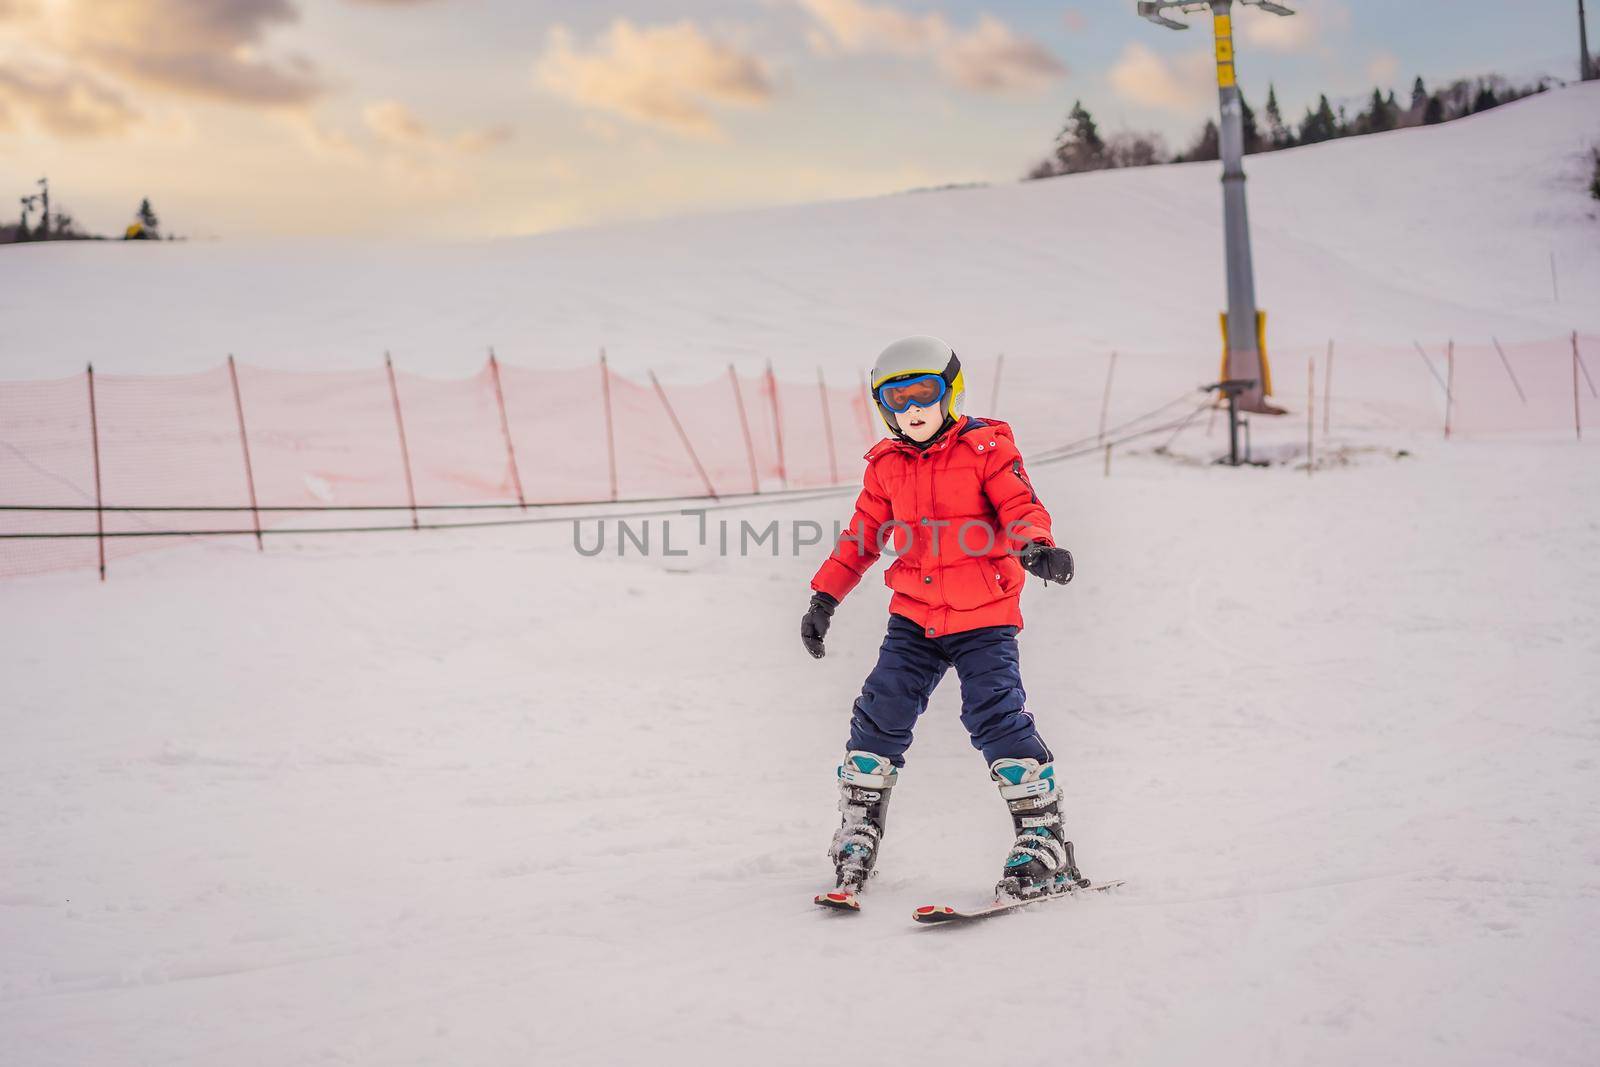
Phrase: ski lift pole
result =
(1243, 354)
(1232, 388)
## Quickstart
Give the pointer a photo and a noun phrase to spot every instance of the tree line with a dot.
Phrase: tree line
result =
(1080, 147)
(59, 225)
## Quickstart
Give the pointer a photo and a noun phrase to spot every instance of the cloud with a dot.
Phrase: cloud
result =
(1184, 84)
(1383, 67)
(321, 138)
(397, 126)
(856, 26)
(1307, 30)
(665, 76)
(483, 139)
(204, 48)
(395, 123)
(67, 104)
(990, 57)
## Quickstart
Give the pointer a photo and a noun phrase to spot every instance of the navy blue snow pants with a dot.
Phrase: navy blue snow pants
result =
(911, 664)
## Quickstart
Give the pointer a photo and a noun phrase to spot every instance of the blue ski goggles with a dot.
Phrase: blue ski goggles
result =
(923, 391)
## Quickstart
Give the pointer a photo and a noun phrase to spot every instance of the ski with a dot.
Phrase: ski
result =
(939, 914)
(837, 900)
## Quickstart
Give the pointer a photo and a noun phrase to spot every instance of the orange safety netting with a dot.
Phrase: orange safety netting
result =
(234, 450)
(1480, 390)
(238, 449)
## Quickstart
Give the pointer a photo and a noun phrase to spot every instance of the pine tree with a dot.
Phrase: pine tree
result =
(1485, 99)
(1277, 135)
(1206, 146)
(1247, 124)
(1433, 114)
(1419, 96)
(1319, 125)
(1079, 146)
(1379, 116)
(147, 216)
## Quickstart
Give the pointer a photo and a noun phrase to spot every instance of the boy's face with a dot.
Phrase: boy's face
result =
(919, 424)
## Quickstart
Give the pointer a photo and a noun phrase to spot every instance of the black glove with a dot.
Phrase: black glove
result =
(814, 626)
(1051, 564)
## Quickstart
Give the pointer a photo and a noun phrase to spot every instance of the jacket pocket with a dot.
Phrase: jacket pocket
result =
(906, 581)
(1009, 575)
(971, 584)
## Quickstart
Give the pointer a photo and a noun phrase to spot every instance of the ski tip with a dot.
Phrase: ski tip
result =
(934, 913)
(838, 900)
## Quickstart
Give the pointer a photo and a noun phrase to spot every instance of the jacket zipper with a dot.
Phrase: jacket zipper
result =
(1016, 468)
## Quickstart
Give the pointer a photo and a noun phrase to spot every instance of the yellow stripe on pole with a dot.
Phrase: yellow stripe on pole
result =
(1261, 349)
(1223, 25)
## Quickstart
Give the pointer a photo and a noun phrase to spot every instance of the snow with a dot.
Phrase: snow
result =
(1416, 234)
(471, 798)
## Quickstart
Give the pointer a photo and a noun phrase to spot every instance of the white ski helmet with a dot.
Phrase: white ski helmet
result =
(911, 356)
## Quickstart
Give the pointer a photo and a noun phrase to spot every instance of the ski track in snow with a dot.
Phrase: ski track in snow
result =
(470, 798)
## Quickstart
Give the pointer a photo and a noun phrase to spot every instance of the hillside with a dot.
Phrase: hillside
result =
(1421, 234)
(473, 798)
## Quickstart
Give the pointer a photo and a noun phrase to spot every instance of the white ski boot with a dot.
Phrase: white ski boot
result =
(1041, 860)
(864, 783)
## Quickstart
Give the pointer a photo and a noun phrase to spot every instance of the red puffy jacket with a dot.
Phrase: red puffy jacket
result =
(955, 513)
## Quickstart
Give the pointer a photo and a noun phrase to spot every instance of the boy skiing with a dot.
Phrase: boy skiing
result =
(949, 491)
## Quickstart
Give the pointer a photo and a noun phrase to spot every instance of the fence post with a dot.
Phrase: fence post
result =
(1418, 346)
(868, 405)
(1513, 374)
(777, 424)
(505, 428)
(405, 453)
(1311, 415)
(1105, 402)
(244, 442)
(1327, 390)
(994, 397)
(676, 425)
(1582, 365)
(611, 436)
(744, 428)
(1450, 385)
(1578, 418)
(827, 429)
(99, 504)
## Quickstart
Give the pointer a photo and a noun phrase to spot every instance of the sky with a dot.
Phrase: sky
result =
(466, 119)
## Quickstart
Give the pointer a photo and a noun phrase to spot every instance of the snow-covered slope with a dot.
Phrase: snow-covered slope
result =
(474, 799)
(470, 799)
(1423, 233)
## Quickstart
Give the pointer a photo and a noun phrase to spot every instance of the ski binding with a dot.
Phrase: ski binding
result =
(939, 914)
